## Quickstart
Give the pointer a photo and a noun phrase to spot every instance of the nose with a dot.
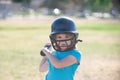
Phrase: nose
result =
(62, 43)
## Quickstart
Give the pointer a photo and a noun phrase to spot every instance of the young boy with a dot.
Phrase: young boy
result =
(62, 63)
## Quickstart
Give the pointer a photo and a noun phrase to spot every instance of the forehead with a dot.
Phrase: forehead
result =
(64, 34)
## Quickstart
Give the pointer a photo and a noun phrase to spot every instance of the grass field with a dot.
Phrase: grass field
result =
(22, 39)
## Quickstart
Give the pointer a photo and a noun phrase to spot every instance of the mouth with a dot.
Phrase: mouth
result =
(63, 46)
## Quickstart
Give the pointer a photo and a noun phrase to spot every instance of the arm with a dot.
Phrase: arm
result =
(43, 65)
(69, 60)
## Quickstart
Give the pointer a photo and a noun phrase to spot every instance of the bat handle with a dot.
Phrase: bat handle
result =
(46, 46)
(42, 53)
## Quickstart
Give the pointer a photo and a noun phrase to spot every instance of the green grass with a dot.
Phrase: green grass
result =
(22, 26)
(20, 44)
(100, 26)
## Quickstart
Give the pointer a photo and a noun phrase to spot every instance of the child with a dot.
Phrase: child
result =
(64, 61)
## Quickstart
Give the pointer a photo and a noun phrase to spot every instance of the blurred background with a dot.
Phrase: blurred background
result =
(77, 8)
(25, 26)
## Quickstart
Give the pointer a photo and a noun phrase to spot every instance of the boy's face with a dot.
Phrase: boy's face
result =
(63, 40)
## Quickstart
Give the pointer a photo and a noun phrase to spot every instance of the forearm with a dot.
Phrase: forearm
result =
(44, 59)
(55, 61)
(43, 65)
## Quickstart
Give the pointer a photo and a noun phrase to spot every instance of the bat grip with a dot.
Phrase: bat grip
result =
(46, 46)
(42, 53)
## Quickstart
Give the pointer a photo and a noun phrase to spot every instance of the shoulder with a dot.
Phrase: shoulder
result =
(76, 54)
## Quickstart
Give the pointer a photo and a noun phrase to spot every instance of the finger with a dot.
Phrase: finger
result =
(48, 45)
(46, 50)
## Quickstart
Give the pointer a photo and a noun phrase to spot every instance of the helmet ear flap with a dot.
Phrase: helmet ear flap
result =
(77, 40)
(53, 41)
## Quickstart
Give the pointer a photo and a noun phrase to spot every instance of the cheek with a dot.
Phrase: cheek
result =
(69, 42)
(58, 43)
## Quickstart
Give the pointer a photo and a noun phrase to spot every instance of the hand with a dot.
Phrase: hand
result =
(48, 46)
(45, 51)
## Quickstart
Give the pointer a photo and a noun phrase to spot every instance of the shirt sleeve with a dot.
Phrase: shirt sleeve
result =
(77, 55)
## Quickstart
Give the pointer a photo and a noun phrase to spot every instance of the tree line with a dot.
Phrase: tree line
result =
(94, 5)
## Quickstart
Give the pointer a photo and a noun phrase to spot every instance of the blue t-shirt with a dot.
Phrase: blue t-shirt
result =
(66, 73)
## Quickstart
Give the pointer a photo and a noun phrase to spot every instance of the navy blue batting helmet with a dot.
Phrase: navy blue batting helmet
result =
(63, 25)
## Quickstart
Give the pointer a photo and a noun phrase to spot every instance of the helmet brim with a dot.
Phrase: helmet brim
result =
(66, 32)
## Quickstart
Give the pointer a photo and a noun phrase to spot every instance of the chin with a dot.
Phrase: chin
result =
(63, 48)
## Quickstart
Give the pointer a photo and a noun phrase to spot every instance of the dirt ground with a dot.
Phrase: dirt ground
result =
(98, 68)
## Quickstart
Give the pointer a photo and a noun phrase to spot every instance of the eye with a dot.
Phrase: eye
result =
(68, 36)
(58, 37)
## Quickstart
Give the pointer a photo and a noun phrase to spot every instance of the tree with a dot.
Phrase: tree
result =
(54, 3)
(22, 1)
(17, 1)
(75, 6)
(115, 8)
